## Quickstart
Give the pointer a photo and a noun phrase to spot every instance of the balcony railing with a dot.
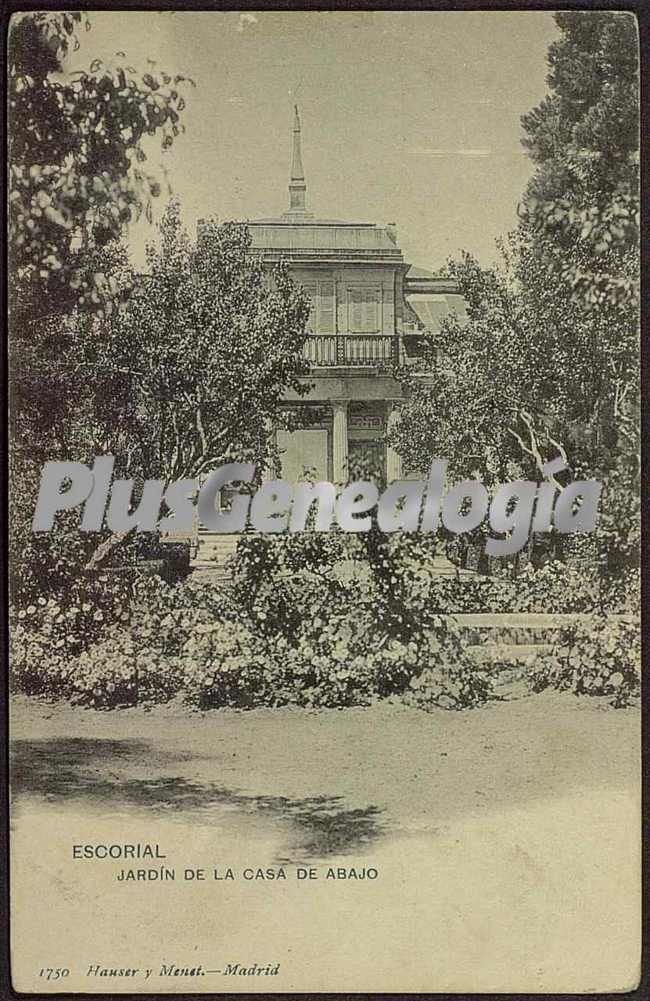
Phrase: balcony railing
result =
(353, 350)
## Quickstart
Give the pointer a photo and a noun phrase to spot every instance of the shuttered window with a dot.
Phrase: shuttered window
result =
(326, 308)
(321, 315)
(312, 292)
(363, 310)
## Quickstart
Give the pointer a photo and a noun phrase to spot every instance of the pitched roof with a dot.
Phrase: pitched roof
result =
(318, 240)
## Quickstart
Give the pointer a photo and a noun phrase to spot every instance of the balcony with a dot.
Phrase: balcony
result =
(352, 350)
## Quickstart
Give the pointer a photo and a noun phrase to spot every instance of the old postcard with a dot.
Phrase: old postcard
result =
(324, 501)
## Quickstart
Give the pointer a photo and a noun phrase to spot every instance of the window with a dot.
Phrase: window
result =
(321, 316)
(364, 310)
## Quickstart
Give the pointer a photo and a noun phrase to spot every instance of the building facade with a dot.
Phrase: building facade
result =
(369, 308)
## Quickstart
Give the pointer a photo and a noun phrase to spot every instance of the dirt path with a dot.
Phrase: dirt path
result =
(499, 834)
(411, 765)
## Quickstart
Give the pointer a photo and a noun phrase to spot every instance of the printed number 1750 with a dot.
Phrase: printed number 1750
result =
(49, 973)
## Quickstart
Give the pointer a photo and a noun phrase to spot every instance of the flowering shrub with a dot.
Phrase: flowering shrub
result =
(52, 562)
(624, 592)
(552, 588)
(555, 587)
(47, 635)
(115, 672)
(225, 664)
(599, 657)
(290, 633)
(341, 646)
(37, 667)
(329, 659)
(450, 678)
(282, 583)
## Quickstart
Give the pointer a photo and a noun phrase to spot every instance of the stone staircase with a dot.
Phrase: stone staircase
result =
(507, 638)
(441, 566)
(213, 554)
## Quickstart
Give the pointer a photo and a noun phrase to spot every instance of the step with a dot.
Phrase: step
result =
(507, 652)
(211, 557)
(208, 573)
(527, 620)
(214, 547)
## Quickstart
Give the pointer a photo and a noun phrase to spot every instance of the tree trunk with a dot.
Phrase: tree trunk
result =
(105, 548)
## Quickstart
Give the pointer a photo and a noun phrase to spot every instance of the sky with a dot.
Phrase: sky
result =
(407, 117)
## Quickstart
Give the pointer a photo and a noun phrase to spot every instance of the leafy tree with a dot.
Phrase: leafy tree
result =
(76, 150)
(200, 357)
(581, 222)
(548, 361)
(75, 180)
(582, 204)
(486, 394)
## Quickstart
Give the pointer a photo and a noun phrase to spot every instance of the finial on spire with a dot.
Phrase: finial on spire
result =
(297, 186)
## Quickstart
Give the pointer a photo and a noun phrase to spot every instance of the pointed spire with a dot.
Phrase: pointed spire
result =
(297, 171)
(297, 186)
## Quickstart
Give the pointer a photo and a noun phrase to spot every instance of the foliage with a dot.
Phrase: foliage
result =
(410, 592)
(48, 635)
(117, 672)
(580, 226)
(528, 377)
(227, 665)
(77, 145)
(469, 404)
(547, 362)
(283, 636)
(76, 152)
(618, 533)
(201, 355)
(52, 563)
(276, 578)
(296, 637)
(581, 204)
(551, 588)
(289, 631)
(347, 646)
(449, 678)
(600, 657)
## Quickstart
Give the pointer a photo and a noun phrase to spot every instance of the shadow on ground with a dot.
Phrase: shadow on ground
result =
(87, 771)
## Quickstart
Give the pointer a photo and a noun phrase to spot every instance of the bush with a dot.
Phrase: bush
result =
(339, 646)
(47, 636)
(553, 588)
(194, 640)
(53, 562)
(624, 593)
(328, 659)
(449, 677)
(37, 667)
(225, 664)
(280, 584)
(115, 672)
(288, 632)
(598, 657)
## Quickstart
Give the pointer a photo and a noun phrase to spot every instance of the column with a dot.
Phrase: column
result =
(393, 458)
(340, 441)
(268, 471)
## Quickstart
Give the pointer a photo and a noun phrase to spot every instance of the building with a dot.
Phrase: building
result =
(369, 309)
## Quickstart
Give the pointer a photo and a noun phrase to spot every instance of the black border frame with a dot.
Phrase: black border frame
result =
(642, 12)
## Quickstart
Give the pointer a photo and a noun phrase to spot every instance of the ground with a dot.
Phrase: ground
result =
(403, 764)
(501, 834)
